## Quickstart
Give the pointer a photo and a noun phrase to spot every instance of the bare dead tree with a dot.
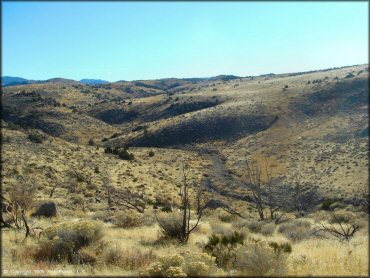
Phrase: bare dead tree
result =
(186, 192)
(55, 183)
(24, 218)
(253, 175)
(20, 199)
(108, 190)
(82, 173)
(268, 193)
(364, 196)
(273, 203)
(130, 199)
(21, 196)
(304, 196)
(341, 231)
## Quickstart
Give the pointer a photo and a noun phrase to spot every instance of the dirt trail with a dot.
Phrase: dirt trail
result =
(219, 178)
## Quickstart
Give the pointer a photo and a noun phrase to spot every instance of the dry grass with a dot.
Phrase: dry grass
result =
(330, 258)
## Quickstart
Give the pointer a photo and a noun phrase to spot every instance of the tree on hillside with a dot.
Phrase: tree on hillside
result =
(183, 228)
(304, 196)
(267, 193)
(20, 199)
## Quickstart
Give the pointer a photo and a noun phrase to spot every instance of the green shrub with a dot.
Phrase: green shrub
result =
(171, 226)
(199, 264)
(165, 202)
(222, 247)
(191, 264)
(268, 229)
(113, 255)
(63, 241)
(36, 137)
(226, 217)
(342, 216)
(128, 219)
(100, 215)
(257, 259)
(327, 204)
(125, 155)
(255, 226)
(167, 266)
(122, 153)
(281, 247)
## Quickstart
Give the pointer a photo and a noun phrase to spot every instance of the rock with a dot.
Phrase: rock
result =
(48, 209)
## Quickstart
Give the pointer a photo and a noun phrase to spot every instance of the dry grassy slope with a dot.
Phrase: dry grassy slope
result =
(158, 175)
(308, 127)
(326, 146)
(317, 132)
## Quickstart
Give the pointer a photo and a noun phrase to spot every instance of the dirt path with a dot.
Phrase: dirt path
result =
(219, 178)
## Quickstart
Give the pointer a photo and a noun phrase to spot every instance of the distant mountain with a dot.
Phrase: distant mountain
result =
(11, 81)
(93, 81)
(59, 80)
(225, 77)
(14, 81)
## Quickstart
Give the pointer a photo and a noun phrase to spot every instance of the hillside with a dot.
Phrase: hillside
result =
(73, 140)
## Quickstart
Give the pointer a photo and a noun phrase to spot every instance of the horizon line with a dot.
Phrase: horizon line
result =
(204, 77)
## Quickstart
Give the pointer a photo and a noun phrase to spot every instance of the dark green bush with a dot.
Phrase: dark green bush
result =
(281, 247)
(326, 205)
(91, 142)
(36, 137)
(125, 155)
(223, 247)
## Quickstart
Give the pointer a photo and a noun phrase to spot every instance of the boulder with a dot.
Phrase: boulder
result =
(48, 209)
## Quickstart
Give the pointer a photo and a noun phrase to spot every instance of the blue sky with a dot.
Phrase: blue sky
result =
(130, 41)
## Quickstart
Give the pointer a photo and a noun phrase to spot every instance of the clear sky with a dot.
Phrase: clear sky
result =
(130, 41)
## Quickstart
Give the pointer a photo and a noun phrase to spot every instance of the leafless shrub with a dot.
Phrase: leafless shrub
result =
(337, 228)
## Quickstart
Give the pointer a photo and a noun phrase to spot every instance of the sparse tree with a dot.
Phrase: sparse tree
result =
(254, 182)
(82, 173)
(108, 189)
(364, 198)
(129, 199)
(268, 192)
(304, 196)
(186, 192)
(55, 183)
(20, 199)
